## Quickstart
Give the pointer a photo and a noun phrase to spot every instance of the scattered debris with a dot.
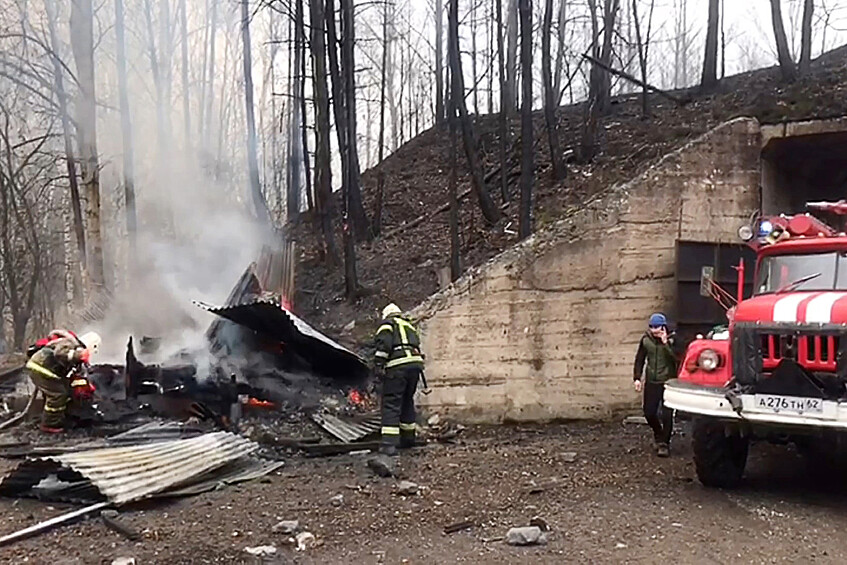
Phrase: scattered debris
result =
(348, 430)
(351, 325)
(434, 420)
(459, 526)
(620, 545)
(544, 485)
(407, 488)
(337, 500)
(52, 522)
(305, 540)
(328, 449)
(638, 420)
(124, 561)
(541, 523)
(261, 550)
(110, 520)
(382, 465)
(529, 535)
(287, 527)
(569, 456)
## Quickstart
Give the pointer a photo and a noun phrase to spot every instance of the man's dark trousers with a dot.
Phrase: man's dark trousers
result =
(659, 417)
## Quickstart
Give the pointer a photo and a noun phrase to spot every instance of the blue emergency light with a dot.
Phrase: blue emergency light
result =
(765, 228)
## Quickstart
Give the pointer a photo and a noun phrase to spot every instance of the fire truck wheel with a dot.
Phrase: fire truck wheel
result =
(720, 454)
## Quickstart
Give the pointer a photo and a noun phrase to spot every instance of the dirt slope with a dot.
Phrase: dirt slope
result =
(404, 267)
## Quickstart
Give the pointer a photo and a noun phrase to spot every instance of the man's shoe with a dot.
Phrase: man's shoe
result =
(663, 450)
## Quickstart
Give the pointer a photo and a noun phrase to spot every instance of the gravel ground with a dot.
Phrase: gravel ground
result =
(614, 501)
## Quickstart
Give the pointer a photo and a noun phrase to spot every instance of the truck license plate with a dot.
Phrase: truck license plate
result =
(796, 404)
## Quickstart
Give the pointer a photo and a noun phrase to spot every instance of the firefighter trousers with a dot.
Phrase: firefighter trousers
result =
(398, 406)
(56, 398)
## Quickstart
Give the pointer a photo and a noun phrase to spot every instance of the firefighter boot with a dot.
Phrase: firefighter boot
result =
(407, 436)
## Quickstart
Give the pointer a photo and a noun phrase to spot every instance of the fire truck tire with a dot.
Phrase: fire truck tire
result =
(719, 454)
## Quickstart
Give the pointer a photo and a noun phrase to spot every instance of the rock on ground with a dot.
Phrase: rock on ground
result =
(529, 535)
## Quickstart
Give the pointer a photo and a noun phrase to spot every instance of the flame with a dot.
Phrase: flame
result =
(256, 403)
(356, 398)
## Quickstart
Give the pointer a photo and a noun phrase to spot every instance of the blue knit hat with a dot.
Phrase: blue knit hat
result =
(658, 320)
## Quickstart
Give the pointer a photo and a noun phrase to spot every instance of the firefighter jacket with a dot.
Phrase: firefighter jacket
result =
(658, 358)
(57, 359)
(398, 344)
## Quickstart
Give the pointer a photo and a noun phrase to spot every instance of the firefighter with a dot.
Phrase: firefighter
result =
(55, 368)
(398, 359)
(656, 360)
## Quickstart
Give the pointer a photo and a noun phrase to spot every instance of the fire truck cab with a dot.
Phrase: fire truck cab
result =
(780, 371)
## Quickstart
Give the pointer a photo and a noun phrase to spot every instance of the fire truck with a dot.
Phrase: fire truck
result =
(778, 370)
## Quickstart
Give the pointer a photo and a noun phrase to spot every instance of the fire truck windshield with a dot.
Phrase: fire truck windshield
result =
(788, 273)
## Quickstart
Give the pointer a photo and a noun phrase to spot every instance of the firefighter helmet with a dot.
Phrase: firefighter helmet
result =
(391, 310)
(91, 341)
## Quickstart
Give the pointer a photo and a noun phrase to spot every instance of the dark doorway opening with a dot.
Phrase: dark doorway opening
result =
(803, 168)
(696, 314)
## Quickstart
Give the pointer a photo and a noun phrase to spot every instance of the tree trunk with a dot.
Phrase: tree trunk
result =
(474, 55)
(259, 204)
(643, 44)
(604, 90)
(82, 44)
(79, 268)
(559, 170)
(439, 62)
(588, 143)
(560, 50)
(292, 197)
(206, 127)
(486, 204)
(806, 37)
(710, 60)
(527, 139)
(126, 133)
(380, 172)
(786, 63)
(510, 95)
(323, 180)
(186, 94)
(455, 257)
(356, 208)
(502, 118)
(307, 172)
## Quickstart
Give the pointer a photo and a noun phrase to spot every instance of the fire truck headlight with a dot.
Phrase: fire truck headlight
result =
(708, 360)
(745, 233)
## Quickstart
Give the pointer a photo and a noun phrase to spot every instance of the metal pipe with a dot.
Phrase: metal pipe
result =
(52, 522)
(740, 269)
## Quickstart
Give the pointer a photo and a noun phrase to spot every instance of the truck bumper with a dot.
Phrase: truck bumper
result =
(709, 401)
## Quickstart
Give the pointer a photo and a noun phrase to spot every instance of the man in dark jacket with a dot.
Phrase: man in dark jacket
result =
(398, 357)
(656, 360)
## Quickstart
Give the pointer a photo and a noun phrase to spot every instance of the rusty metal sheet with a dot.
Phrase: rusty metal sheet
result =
(347, 430)
(126, 474)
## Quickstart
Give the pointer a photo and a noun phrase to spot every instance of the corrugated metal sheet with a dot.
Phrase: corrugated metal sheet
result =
(347, 430)
(267, 317)
(155, 431)
(239, 471)
(126, 474)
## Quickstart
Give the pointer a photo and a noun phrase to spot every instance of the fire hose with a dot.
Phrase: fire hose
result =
(14, 421)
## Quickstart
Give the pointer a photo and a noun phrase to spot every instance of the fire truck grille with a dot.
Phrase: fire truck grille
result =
(814, 352)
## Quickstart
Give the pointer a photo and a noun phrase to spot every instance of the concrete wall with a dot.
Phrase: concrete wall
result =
(549, 329)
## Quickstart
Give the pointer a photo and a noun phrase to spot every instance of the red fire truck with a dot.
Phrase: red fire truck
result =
(779, 372)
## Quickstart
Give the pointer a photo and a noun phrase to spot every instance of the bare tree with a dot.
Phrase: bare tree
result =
(259, 204)
(82, 44)
(186, 94)
(710, 60)
(380, 173)
(550, 95)
(455, 253)
(643, 46)
(323, 180)
(510, 87)
(599, 87)
(527, 139)
(502, 118)
(80, 273)
(439, 61)
(806, 37)
(296, 147)
(126, 128)
(560, 50)
(486, 204)
(786, 63)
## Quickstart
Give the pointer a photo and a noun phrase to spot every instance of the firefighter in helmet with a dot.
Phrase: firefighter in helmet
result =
(55, 367)
(399, 360)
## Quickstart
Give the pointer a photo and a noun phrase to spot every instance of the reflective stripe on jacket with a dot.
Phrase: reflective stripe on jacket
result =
(398, 344)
